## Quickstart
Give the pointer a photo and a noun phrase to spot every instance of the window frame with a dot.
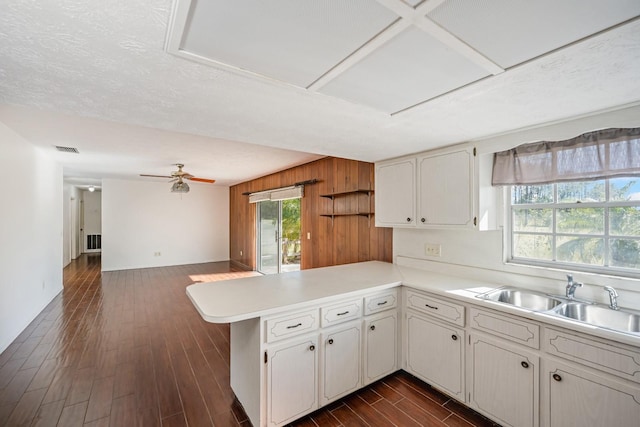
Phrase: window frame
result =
(605, 269)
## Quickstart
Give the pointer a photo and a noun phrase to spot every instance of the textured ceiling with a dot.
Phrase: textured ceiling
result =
(95, 75)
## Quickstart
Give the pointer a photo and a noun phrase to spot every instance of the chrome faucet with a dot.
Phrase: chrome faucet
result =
(571, 287)
(613, 298)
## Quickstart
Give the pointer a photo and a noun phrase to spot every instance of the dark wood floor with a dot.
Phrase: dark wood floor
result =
(127, 348)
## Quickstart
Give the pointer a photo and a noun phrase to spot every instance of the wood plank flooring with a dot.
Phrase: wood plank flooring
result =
(127, 348)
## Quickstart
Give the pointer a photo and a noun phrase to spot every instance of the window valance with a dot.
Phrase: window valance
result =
(594, 155)
(285, 193)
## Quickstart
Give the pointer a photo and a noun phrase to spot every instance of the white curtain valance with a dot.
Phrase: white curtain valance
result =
(285, 193)
(594, 155)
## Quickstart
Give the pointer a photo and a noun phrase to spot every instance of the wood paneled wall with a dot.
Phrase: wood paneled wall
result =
(341, 240)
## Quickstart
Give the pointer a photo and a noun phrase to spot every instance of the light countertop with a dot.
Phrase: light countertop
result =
(240, 299)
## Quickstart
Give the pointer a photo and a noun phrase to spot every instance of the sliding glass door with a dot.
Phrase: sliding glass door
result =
(278, 236)
(268, 236)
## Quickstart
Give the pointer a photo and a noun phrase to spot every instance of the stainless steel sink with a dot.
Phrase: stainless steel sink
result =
(620, 320)
(523, 298)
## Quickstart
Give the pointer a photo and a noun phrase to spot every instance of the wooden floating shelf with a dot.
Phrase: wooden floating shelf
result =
(344, 193)
(336, 194)
(348, 214)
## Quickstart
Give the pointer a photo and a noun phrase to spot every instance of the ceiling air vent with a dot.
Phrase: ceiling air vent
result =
(67, 149)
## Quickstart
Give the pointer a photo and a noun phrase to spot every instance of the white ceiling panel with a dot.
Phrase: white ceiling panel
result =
(513, 31)
(290, 40)
(411, 68)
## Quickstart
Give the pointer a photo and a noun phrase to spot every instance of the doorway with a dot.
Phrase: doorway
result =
(279, 248)
(91, 221)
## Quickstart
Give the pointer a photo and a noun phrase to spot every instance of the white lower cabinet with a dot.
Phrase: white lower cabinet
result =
(515, 370)
(578, 397)
(308, 364)
(341, 358)
(435, 354)
(503, 381)
(380, 346)
(292, 380)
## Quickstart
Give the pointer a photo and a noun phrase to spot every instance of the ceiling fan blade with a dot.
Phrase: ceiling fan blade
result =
(157, 176)
(210, 181)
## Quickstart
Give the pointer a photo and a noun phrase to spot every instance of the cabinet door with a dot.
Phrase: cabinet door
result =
(381, 348)
(292, 385)
(395, 193)
(576, 397)
(504, 382)
(446, 189)
(435, 354)
(341, 362)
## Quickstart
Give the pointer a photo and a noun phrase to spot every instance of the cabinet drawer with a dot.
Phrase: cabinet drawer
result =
(506, 327)
(341, 312)
(380, 302)
(290, 325)
(445, 310)
(602, 355)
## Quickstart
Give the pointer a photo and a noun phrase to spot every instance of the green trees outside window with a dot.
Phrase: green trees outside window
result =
(291, 231)
(590, 223)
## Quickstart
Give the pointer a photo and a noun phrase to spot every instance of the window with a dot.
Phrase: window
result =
(588, 225)
(575, 202)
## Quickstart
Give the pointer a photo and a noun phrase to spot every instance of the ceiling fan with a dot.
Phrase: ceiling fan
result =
(179, 186)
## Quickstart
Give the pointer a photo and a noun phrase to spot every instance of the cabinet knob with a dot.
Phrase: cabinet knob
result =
(524, 364)
(312, 347)
(330, 341)
(557, 377)
(372, 327)
(423, 220)
(454, 337)
(408, 219)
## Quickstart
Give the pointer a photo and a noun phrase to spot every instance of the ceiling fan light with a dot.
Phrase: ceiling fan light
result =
(180, 187)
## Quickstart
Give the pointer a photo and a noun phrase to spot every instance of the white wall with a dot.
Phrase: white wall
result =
(30, 233)
(141, 218)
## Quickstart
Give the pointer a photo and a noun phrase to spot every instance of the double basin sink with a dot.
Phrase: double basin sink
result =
(622, 320)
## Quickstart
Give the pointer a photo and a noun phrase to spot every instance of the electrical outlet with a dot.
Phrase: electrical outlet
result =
(432, 249)
(240, 253)
(157, 254)
(308, 235)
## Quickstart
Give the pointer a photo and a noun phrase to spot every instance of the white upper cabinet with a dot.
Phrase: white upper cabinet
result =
(445, 189)
(396, 193)
(440, 189)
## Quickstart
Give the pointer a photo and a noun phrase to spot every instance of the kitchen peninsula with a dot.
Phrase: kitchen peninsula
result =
(277, 325)
(301, 340)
